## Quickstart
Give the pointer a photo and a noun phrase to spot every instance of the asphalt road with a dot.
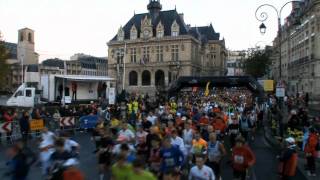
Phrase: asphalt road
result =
(264, 169)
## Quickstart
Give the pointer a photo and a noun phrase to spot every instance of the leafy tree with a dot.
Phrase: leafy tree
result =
(257, 64)
(4, 67)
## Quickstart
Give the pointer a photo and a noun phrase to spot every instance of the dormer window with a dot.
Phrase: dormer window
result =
(133, 33)
(120, 34)
(175, 29)
(160, 30)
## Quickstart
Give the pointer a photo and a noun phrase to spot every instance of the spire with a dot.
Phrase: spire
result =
(154, 8)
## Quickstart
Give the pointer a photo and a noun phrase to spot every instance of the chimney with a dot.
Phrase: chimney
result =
(181, 16)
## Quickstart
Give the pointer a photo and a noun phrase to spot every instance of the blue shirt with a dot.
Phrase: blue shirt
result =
(171, 158)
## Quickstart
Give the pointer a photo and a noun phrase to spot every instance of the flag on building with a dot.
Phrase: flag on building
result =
(206, 93)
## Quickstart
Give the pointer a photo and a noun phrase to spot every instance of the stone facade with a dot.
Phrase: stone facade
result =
(20, 53)
(235, 63)
(156, 48)
(300, 50)
(81, 65)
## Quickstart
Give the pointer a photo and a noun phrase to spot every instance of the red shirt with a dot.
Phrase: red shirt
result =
(7, 117)
(242, 158)
(311, 145)
(204, 120)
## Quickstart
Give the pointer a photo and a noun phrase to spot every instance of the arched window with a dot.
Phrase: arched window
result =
(29, 37)
(21, 37)
(133, 78)
(159, 78)
(146, 78)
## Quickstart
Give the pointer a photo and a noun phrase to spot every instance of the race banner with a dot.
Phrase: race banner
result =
(88, 122)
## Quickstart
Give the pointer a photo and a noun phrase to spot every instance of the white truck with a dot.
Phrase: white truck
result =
(50, 90)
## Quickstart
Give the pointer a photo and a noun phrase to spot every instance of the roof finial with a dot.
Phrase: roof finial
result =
(134, 12)
(175, 7)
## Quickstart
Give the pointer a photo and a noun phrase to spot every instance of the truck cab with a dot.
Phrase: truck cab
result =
(23, 97)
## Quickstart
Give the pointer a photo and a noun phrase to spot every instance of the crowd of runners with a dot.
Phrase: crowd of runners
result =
(185, 137)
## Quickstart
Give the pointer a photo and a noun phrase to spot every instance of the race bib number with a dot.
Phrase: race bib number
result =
(170, 162)
(238, 159)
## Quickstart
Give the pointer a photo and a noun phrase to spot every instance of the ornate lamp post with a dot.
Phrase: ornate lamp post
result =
(263, 16)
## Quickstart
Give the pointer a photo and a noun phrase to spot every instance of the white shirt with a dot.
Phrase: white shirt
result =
(187, 137)
(152, 119)
(48, 137)
(45, 155)
(69, 143)
(205, 173)
(127, 133)
(141, 136)
(116, 150)
(178, 141)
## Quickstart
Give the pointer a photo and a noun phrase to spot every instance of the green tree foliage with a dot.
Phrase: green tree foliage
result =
(4, 67)
(257, 64)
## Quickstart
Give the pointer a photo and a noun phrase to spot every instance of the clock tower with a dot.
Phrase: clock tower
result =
(154, 8)
(146, 27)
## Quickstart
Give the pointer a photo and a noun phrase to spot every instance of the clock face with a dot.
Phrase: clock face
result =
(146, 33)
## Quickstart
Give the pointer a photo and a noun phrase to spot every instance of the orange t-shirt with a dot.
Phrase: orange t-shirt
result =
(204, 120)
(73, 174)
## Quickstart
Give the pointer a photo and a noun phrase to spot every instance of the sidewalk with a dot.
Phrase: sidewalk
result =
(301, 161)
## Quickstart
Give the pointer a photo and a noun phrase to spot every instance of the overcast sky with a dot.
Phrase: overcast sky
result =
(65, 27)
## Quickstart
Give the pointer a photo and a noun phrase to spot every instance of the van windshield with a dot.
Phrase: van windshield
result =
(19, 93)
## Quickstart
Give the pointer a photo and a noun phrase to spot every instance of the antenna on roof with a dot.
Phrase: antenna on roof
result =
(134, 12)
(175, 7)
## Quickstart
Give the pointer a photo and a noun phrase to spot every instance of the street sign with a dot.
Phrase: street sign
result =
(112, 96)
(36, 124)
(5, 127)
(66, 121)
(268, 85)
(280, 92)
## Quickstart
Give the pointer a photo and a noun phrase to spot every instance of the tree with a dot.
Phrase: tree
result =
(257, 64)
(4, 67)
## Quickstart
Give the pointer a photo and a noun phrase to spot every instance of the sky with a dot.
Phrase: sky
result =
(65, 27)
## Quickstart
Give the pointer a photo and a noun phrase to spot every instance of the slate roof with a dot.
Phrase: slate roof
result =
(54, 63)
(167, 18)
(208, 33)
(33, 68)
(12, 48)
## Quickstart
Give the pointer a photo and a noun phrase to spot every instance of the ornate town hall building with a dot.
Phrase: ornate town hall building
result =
(153, 49)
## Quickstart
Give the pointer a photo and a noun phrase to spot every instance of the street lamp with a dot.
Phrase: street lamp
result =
(263, 28)
(264, 16)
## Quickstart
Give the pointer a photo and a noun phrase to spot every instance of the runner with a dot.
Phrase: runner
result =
(201, 171)
(216, 151)
(242, 159)
(171, 159)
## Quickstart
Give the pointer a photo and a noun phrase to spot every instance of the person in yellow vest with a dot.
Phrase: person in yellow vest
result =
(173, 106)
(129, 105)
(135, 106)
